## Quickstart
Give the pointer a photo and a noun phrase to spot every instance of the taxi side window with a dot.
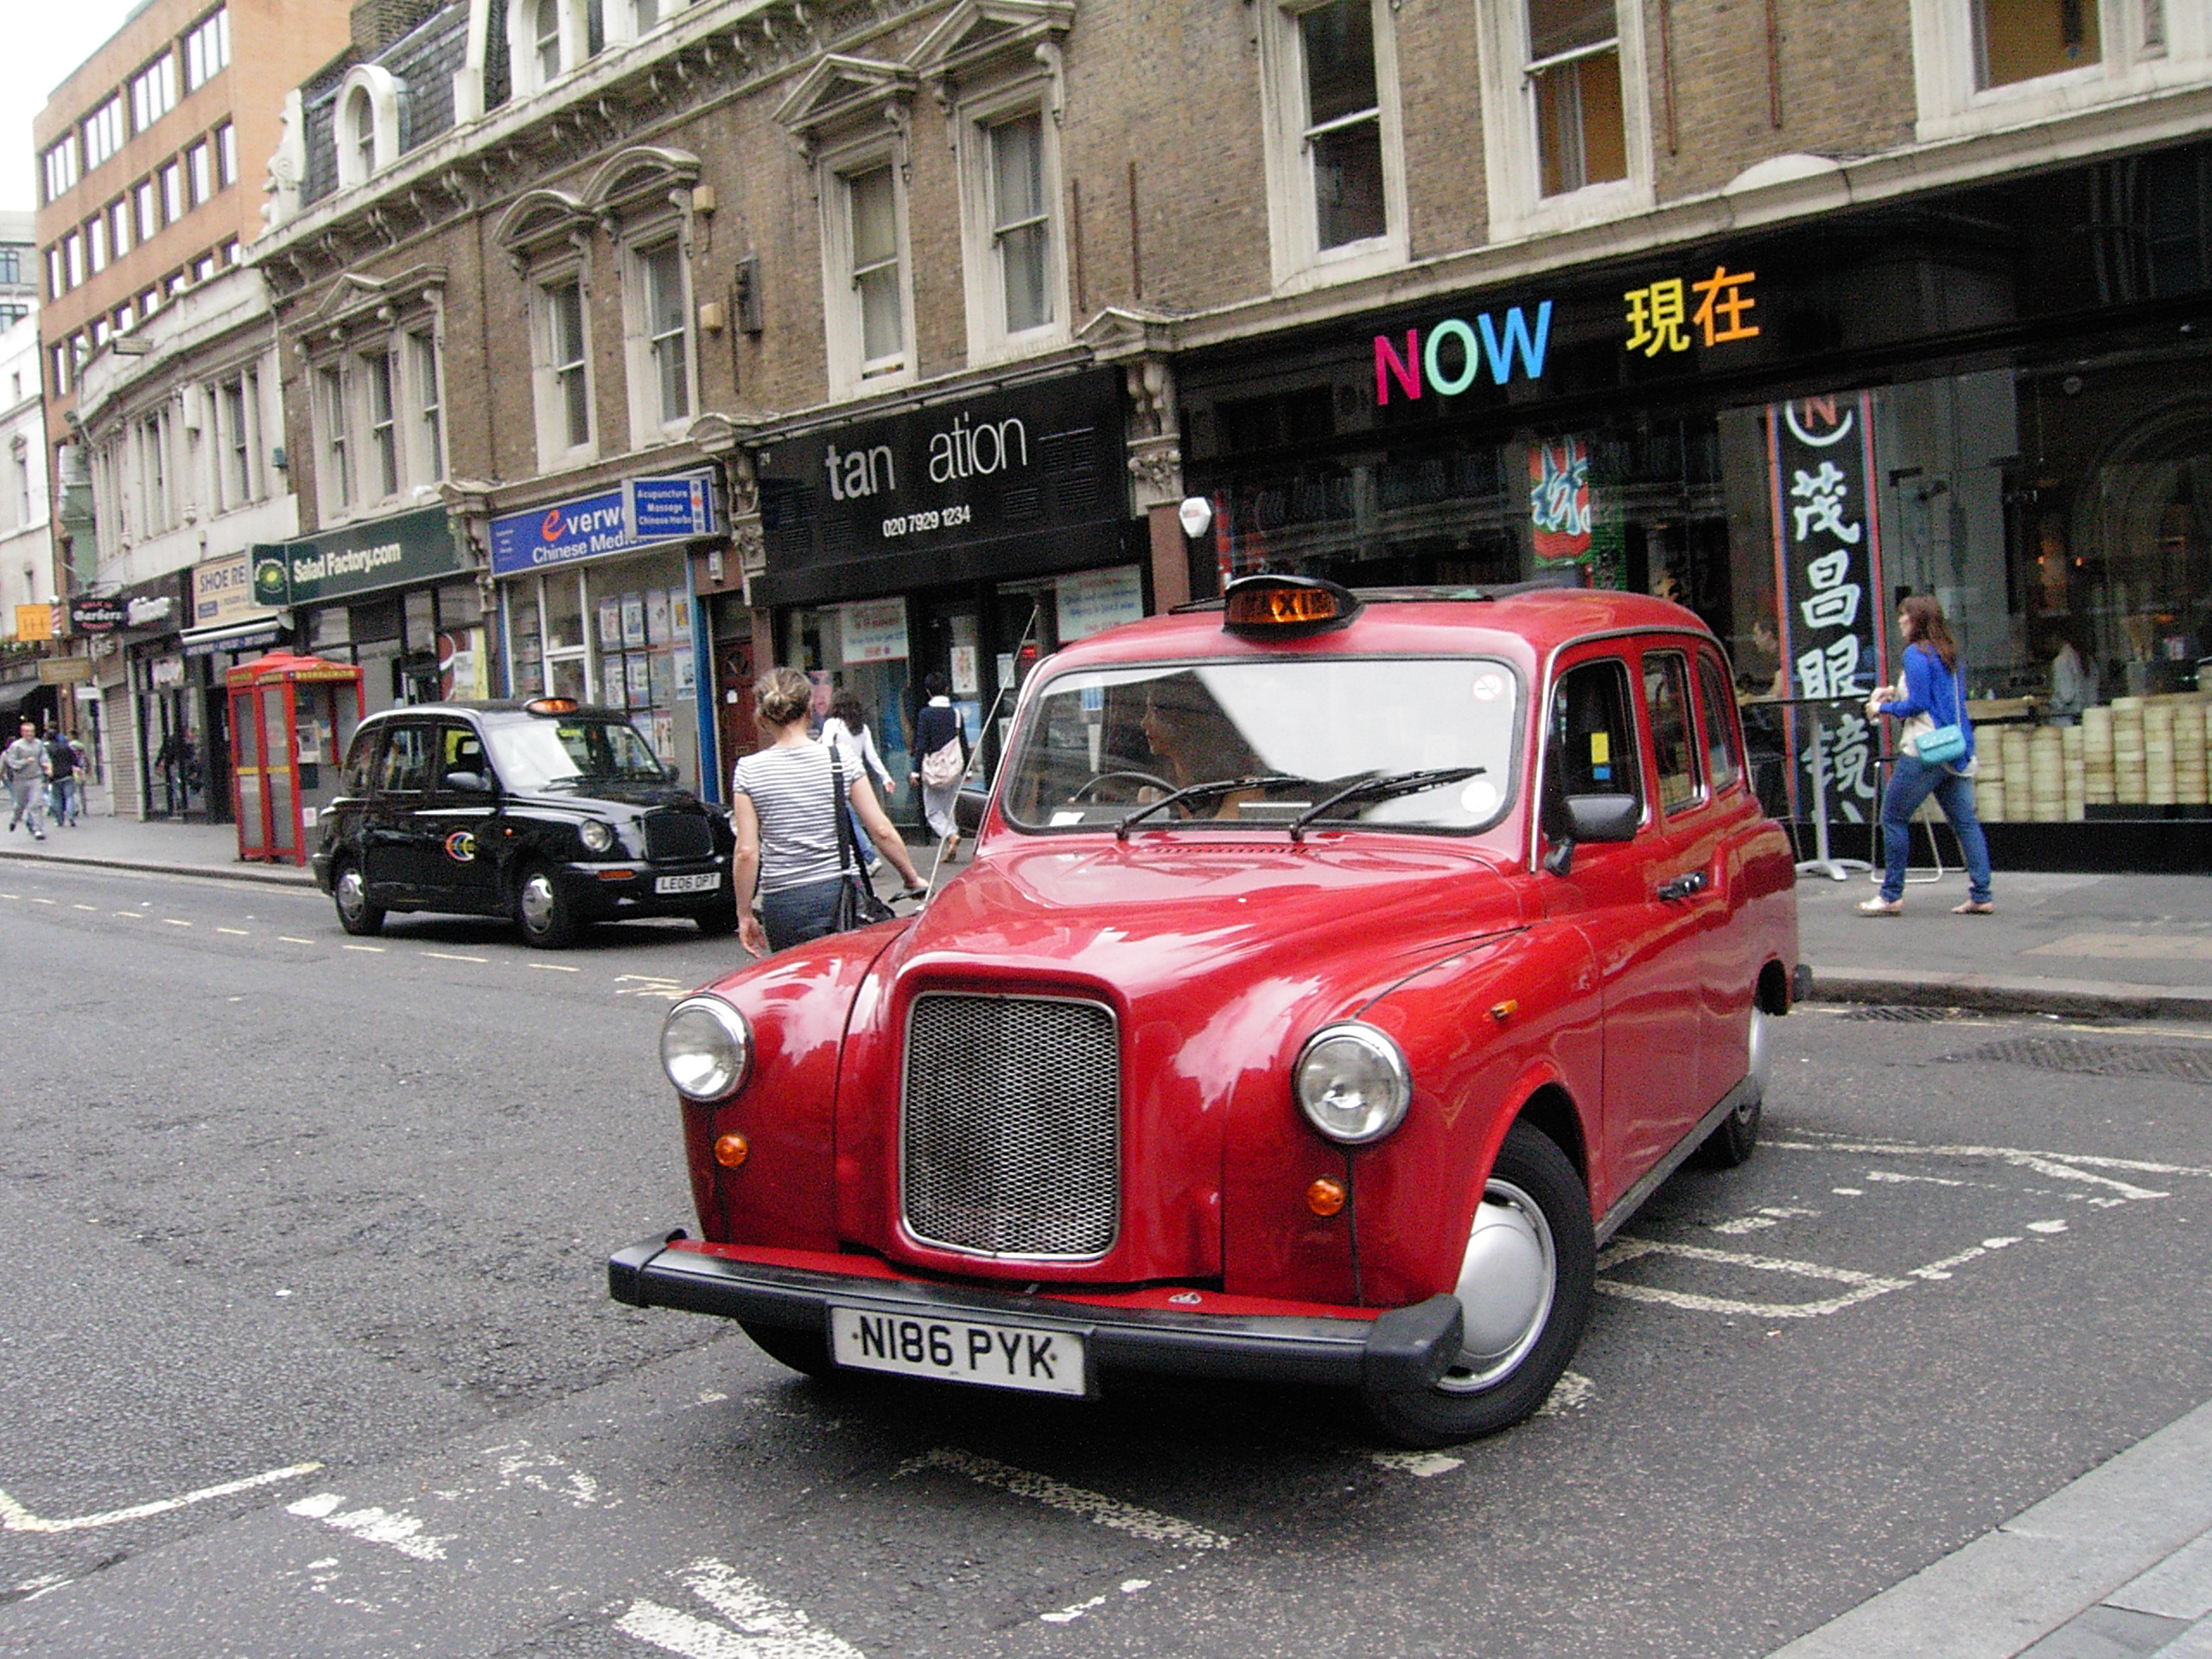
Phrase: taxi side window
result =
(459, 749)
(360, 763)
(1674, 740)
(1593, 732)
(1722, 763)
(406, 760)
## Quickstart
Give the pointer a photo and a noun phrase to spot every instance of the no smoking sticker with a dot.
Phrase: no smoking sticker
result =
(1488, 688)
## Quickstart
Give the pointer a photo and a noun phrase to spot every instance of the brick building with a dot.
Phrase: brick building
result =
(952, 303)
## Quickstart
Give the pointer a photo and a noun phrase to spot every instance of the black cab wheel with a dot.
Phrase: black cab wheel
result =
(1525, 1286)
(1732, 1139)
(717, 921)
(355, 913)
(546, 919)
(802, 1350)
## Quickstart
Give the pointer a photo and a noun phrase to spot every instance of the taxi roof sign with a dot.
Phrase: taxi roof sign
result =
(1271, 606)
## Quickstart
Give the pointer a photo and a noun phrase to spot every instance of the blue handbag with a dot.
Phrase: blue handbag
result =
(1941, 745)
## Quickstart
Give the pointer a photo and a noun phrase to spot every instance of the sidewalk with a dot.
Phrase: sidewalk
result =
(2128, 946)
(2116, 1566)
(167, 849)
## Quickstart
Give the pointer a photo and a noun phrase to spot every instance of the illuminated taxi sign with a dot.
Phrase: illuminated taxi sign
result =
(551, 706)
(1285, 606)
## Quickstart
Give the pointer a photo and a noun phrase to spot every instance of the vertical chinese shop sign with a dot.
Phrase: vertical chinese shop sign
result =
(1559, 500)
(1827, 559)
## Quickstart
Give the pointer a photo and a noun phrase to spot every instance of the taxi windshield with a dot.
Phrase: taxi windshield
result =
(1407, 742)
(539, 753)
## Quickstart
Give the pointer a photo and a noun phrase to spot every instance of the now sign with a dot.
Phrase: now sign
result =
(1456, 352)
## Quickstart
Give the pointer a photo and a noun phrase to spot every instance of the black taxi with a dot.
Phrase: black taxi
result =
(556, 814)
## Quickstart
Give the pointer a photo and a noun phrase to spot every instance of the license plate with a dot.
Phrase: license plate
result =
(707, 883)
(958, 1351)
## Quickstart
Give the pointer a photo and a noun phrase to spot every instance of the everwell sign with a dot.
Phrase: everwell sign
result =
(1456, 353)
(357, 559)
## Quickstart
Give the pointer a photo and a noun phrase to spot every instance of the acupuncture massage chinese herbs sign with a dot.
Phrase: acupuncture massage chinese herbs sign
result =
(1827, 562)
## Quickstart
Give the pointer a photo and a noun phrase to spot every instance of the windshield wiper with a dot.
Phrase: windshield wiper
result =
(1382, 786)
(1192, 792)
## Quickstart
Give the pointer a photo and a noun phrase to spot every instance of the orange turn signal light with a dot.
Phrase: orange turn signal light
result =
(731, 1150)
(1326, 1197)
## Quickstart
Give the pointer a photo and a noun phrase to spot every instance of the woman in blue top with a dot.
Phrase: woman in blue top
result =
(1933, 688)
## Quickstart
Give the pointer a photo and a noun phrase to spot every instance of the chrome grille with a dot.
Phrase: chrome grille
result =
(1011, 1130)
(673, 835)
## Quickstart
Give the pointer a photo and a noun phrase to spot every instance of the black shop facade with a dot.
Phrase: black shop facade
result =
(2000, 394)
(965, 533)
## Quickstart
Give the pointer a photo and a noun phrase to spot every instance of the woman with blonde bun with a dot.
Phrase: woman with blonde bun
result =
(783, 806)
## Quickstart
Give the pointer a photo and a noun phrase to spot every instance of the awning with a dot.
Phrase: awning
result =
(249, 635)
(12, 695)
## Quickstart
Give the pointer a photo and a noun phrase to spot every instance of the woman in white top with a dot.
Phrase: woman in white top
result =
(846, 731)
(783, 806)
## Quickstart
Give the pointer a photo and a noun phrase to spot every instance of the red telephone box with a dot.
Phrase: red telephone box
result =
(292, 719)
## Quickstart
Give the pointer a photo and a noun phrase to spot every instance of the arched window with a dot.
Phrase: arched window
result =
(361, 131)
(547, 33)
(367, 127)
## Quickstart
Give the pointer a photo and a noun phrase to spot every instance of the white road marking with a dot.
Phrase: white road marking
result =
(376, 949)
(37, 900)
(1091, 1506)
(1069, 1615)
(2046, 1226)
(172, 921)
(84, 906)
(1766, 1215)
(1571, 1393)
(1865, 1286)
(371, 1525)
(1892, 1178)
(555, 968)
(235, 933)
(448, 956)
(32, 1589)
(651, 985)
(2043, 1163)
(286, 938)
(1849, 1191)
(1421, 1466)
(127, 915)
(16, 1518)
(765, 1627)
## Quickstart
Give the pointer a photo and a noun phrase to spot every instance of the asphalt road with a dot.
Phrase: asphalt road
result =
(306, 1349)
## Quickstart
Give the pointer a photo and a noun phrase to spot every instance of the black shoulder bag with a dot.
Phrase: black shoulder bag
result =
(857, 903)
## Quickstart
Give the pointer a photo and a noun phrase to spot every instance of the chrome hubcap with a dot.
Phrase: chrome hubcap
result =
(538, 902)
(1759, 1059)
(1507, 1281)
(353, 898)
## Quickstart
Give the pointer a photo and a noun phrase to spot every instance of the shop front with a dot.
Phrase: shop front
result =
(1786, 431)
(595, 603)
(227, 625)
(157, 723)
(966, 537)
(395, 597)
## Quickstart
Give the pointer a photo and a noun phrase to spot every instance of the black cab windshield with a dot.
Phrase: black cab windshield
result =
(544, 754)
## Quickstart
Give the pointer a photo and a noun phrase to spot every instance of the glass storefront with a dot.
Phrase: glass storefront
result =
(1939, 399)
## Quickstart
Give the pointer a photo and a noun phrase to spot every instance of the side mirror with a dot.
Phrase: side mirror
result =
(1604, 817)
(670, 772)
(468, 783)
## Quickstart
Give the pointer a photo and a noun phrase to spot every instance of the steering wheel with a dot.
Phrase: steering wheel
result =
(1152, 779)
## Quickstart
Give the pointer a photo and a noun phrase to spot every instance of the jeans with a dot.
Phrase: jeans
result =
(791, 916)
(67, 801)
(1912, 784)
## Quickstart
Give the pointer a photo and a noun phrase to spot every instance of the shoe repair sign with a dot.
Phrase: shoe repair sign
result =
(1829, 573)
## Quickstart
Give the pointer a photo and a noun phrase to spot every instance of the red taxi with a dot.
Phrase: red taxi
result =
(1335, 973)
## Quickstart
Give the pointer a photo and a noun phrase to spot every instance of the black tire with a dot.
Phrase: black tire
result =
(1732, 1139)
(1535, 1218)
(717, 921)
(542, 914)
(802, 1350)
(355, 913)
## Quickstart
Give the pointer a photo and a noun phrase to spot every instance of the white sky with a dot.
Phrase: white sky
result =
(42, 42)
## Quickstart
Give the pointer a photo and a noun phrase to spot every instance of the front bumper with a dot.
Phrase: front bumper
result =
(1398, 1350)
(603, 891)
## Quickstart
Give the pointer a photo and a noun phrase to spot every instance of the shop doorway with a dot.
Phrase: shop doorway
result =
(737, 724)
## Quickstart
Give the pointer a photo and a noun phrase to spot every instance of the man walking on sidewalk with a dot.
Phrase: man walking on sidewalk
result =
(22, 768)
(64, 764)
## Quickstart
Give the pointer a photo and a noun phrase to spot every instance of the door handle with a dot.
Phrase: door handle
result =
(1684, 886)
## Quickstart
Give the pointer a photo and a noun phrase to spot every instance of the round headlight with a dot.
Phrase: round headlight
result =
(1352, 1083)
(596, 836)
(706, 1048)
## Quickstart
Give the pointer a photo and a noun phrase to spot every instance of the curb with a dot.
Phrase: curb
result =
(1994, 993)
(269, 878)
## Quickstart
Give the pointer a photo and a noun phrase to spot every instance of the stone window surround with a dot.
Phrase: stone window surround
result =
(1952, 106)
(382, 91)
(1518, 209)
(359, 318)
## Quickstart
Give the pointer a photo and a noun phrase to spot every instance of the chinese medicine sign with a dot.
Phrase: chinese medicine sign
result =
(1828, 573)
